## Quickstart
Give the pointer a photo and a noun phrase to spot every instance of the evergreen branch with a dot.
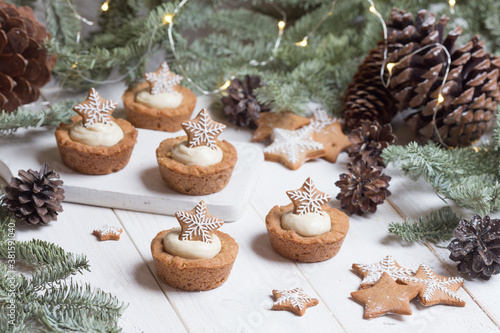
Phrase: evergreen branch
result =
(24, 117)
(437, 226)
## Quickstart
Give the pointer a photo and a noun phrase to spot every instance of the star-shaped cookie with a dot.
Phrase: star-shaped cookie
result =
(268, 121)
(386, 296)
(328, 131)
(372, 273)
(294, 300)
(435, 289)
(203, 131)
(107, 233)
(308, 199)
(293, 148)
(198, 224)
(162, 80)
(95, 109)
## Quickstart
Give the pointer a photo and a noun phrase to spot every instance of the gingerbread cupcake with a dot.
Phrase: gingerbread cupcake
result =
(195, 256)
(199, 163)
(160, 103)
(307, 230)
(95, 143)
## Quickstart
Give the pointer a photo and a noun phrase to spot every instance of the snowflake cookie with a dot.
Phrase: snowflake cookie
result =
(203, 131)
(294, 300)
(95, 109)
(162, 80)
(308, 199)
(372, 273)
(293, 148)
(435, 289)
(198, 224)
(107, 233)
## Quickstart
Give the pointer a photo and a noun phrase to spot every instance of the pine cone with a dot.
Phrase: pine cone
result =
(363, 188)
(477, 247)
(366, 97)
(241, 107)
(368, 140)
(24, 65)
(35, 197)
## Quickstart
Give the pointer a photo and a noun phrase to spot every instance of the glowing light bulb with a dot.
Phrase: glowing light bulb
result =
(105, 6)
(75, 64)
(440, 98)
(390, 66)
(225, 85)
(302, 43)
(281, 25)
(373, 9)
(168, 18)
(452, 4)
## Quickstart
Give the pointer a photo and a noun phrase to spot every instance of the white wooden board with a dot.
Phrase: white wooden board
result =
(139, 185)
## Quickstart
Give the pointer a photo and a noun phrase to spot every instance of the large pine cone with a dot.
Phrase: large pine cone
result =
(35, 197)
(477, 247)
(362, 188)
(24, 65)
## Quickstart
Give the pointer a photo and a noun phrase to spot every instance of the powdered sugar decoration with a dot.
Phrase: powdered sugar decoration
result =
(388, 265)
(95, 109)
(163, 80)
(198, 225)
(308, 199)
(293, 143)
(433, 283)
(296, 297)
(203, 130)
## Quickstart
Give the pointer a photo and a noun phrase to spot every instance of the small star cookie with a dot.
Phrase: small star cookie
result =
(268, 121)
(435, 289)
(95, 109)
(293, 148)
(328, 131)
(203, 131)
(308, 199)
(198, 224)
(386, 296)
(294, 300)
(372, 273)
(107, 233)
(162, 80)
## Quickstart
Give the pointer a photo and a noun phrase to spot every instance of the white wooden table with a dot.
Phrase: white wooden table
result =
(126, 269)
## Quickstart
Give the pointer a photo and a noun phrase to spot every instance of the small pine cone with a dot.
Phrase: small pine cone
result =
(477, 247)
(35, 197)
(368, 140)
(240, 106)
(363, 188)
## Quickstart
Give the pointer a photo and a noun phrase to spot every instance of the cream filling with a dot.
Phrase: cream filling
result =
(190, 249)
(159, 101)
(307, 224)
(201, 155)
(98, 134)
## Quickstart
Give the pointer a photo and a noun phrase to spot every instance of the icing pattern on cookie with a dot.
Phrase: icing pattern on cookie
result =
(202, 130)
(108, 232)
(162, 80)
(321, 119)
(198, 224)
(294, 300)
(372, 273)
(293, 145)
(95, 109)
(308, 199)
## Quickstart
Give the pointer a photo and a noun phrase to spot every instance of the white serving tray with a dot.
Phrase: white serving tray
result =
(139, 185)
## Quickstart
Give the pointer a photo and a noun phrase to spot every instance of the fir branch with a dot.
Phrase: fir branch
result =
(24, 117)
(435, 227)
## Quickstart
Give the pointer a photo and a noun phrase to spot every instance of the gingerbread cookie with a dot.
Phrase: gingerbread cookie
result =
(328, 131)
(198, 224)
(435, 289)
(268, 121)
(107, 233)
(386, 296)
(162, 80)
(95, 109)
(293, 148)
(294, 300)
(372, 273)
